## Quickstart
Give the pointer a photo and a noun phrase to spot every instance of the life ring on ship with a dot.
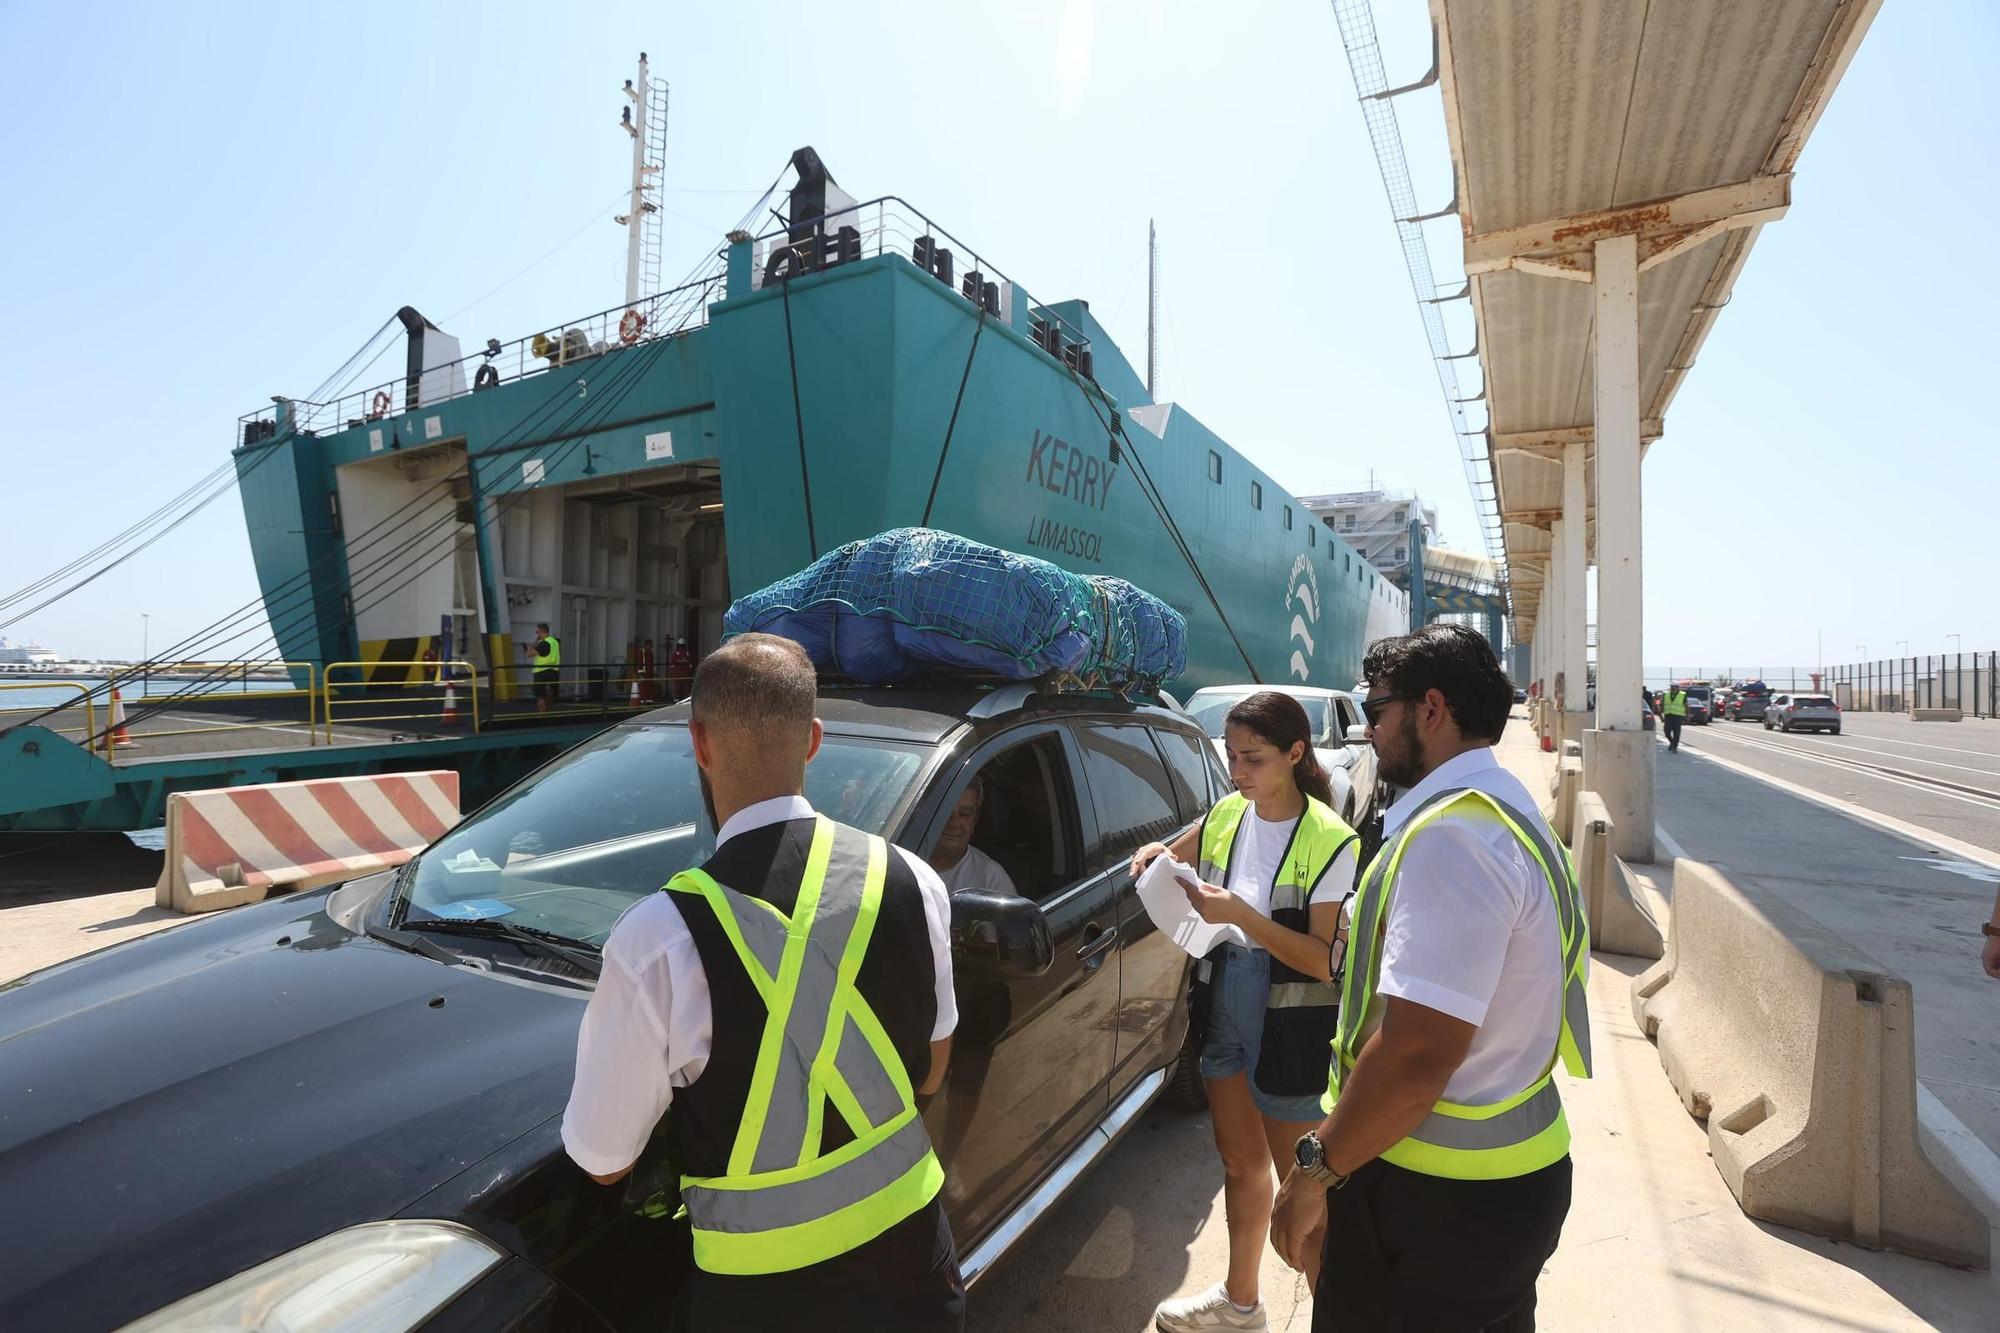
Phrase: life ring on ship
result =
(629, 325)
(379, 404)
(486, 377)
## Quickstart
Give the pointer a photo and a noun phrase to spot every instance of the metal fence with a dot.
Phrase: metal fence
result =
(1966, 681)
(1786, 678)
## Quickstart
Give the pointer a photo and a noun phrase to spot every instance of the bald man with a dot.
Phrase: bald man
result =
(790, 999)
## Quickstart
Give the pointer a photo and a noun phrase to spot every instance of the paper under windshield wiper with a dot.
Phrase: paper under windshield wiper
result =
(574, 952)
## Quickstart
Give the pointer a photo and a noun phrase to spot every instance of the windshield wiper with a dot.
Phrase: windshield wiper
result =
(416, 944)
(494, 928)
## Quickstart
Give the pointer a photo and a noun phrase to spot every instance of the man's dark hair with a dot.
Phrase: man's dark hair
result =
(1454, 660)
(542, 626)
(757, 681)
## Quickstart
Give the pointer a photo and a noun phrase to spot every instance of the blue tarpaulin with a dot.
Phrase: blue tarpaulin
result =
(915, 602)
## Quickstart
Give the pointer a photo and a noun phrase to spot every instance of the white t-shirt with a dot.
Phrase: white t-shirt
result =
(1255, 857)
(1472, 932)
(977, 870)
(650, 1025)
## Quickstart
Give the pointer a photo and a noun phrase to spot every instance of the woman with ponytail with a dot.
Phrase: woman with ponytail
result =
(1277, 863)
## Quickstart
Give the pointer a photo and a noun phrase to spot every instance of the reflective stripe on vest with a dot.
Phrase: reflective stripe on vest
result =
(553, 657)
(1317, 840)
(783, 1203)
(1519, 1134)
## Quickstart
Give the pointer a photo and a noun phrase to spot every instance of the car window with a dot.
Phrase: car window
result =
(1129, 787)
(1815, 701)
(573, 845)
(1209, 710)
(1188, 766)
(1025, 827)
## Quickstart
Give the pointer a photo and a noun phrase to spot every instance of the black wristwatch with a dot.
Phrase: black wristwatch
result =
(1988, 929)
(1311, 1159)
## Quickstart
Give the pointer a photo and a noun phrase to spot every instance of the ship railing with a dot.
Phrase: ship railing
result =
(892, 225)
(664, 314)
(586, 689)
(211, 682)
(458, 694)
(89, 710)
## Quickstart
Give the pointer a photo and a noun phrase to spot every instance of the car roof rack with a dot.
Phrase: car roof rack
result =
(1004, 694)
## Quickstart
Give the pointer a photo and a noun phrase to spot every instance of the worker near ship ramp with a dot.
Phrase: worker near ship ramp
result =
(1436, 1187)
(548, 667)
(790, 1000)
(1674, 713)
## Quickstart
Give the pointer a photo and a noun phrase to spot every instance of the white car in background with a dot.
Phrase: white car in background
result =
(1350, 768)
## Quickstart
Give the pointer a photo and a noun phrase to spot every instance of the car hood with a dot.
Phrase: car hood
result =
(180, 1107)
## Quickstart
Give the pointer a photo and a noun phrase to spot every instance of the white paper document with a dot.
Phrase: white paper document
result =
(1166, 902)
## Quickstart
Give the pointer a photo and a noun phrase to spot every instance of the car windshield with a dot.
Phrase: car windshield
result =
(1814, 701)
(1212, 710)
(571, 847)
(1698, 692)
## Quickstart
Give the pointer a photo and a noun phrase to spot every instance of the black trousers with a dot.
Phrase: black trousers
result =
(906, 1279)
(1421, 1254)
(1674, 721)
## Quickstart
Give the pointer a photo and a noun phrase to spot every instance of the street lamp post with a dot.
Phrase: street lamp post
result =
(145, 646)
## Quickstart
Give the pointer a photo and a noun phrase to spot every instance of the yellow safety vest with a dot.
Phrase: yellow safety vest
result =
(553, 657)
(1299, 1017)
(1518, 1134)
(784, 1204)
(1676, 704)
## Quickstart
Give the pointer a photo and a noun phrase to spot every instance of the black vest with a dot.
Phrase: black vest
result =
(896, 977)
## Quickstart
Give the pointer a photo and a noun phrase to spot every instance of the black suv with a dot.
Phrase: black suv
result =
(298, 1086)
(1748, 701)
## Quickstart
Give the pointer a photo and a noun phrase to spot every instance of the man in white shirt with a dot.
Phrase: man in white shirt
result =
(719, 1000)
(962, 865)
(1436, 1189)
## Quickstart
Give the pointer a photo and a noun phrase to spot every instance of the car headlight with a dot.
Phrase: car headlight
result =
(379, 1276)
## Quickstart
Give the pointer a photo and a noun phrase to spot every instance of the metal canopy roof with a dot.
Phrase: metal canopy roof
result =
(1573, 120)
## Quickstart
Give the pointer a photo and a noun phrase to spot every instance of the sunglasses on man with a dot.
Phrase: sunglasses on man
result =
(1373, 708)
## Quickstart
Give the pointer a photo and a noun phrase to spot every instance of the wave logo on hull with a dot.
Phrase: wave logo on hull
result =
(1302, 600)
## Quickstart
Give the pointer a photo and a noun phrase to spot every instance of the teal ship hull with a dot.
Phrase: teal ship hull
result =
(828, 382)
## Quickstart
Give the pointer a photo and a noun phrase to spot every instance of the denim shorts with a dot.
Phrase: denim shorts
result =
(1236, 1030)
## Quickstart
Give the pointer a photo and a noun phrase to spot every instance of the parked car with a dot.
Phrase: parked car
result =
(1350, 765)
(1749, 701)
(1700, 705)
(1520, 695)
(1803, 712)
(355, 1093)
(1719, 704)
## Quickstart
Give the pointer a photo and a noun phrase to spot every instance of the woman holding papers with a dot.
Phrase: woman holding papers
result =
(1275, 861)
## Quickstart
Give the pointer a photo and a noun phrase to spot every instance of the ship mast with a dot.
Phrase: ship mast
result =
(1152, 314)
(646, 121)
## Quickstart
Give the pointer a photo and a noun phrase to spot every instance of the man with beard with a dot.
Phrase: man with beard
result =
(1436, 1187)
(790, 999)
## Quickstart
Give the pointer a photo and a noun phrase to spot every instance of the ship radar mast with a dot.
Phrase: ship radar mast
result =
(646, 121)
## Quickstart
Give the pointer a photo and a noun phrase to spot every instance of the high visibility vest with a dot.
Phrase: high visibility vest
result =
(551, 659)
(1676, 704)
(1518, 1134)
(783, 1204)
(1299, 1019)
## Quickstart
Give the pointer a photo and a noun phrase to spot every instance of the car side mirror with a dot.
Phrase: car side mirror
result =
(1002, 934)
(1357, 735)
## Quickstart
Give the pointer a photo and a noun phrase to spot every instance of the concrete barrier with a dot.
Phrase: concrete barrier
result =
(1619, 920)
(1937, 715)
(1618, 766)
(1799, 1053)
(1569, 785)
(234, 845)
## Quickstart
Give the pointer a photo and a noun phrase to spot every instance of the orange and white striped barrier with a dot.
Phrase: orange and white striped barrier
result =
(234, 845)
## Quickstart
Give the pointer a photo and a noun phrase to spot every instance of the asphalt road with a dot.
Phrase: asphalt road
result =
(1940, 776)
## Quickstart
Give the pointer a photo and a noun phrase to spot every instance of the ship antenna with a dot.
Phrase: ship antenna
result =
(1152, 314)
(646, 121)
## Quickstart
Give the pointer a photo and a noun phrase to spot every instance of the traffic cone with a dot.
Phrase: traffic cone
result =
(635, 692)
(450, 717)
(119, 735)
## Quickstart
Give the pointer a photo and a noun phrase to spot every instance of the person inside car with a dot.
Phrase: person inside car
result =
(957, 861)
(1276, 862)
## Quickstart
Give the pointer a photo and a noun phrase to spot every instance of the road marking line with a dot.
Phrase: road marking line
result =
(1921, 745)
(1666, 840)
(1890, 754)
(1923, 837)
(1973, 1154)
(1863, 770)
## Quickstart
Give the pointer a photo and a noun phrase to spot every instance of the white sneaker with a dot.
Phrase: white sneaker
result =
(1206, 1310)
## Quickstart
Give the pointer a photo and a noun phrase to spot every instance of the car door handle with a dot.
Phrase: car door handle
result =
(1097, 942)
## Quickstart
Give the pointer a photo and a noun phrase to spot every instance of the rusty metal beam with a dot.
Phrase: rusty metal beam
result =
(1560, 247)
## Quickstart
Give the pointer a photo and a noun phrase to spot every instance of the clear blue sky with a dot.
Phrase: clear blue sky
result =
(211, 203)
